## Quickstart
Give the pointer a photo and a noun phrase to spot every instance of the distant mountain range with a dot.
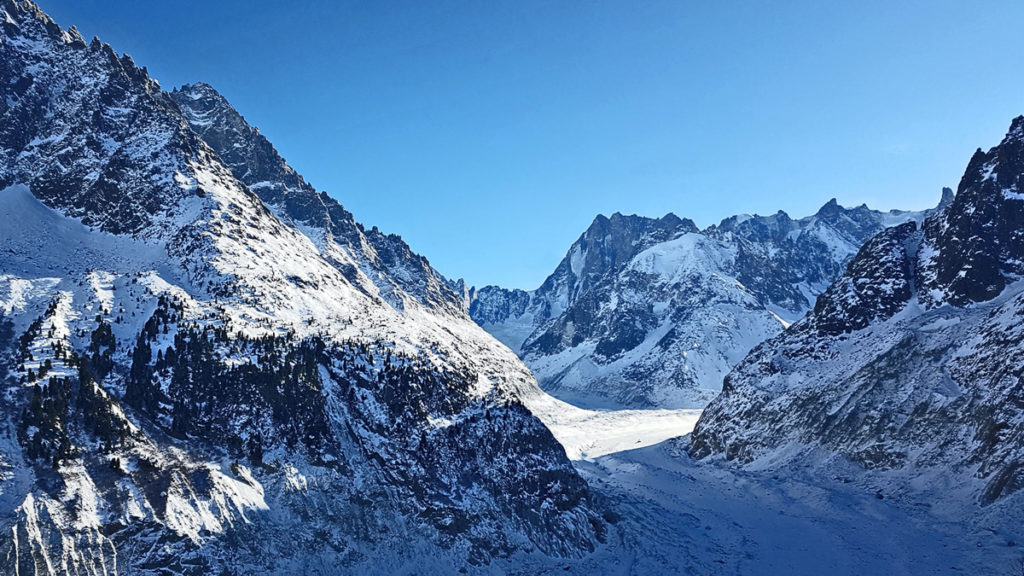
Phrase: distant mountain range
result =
(647, 312)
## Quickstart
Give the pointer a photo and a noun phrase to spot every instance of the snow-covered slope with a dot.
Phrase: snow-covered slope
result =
(195, 380)
(654, 312)
(697, 517)
(911, 362)
(381, 264)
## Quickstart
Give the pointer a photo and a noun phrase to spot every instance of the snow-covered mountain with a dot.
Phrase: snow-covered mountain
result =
(911, 363)
(207, 367)
(648, 312)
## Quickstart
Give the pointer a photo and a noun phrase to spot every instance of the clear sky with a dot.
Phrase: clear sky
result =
(489, 134)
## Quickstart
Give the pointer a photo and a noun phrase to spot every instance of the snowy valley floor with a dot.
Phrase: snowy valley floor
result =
(587, 434)
(681, 516)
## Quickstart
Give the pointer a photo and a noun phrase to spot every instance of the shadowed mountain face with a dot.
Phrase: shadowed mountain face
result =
(209, 367)
(654, 312)
(910, 360)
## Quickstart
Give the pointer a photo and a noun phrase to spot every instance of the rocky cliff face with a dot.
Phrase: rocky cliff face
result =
(209, 368)
(645, 312)
(911, 360)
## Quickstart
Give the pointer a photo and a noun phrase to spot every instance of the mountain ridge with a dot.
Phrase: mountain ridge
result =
(634, 291)
(377, 256)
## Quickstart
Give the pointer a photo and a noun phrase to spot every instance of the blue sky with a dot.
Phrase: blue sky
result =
(489, 134)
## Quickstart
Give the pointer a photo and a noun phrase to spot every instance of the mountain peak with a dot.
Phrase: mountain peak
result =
(635, 228)
(830, 209)
(947, 197)
(672, 219)
(199, 90)
(201, 102)
(1016, 128)
(16, 16)
(200, 86)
